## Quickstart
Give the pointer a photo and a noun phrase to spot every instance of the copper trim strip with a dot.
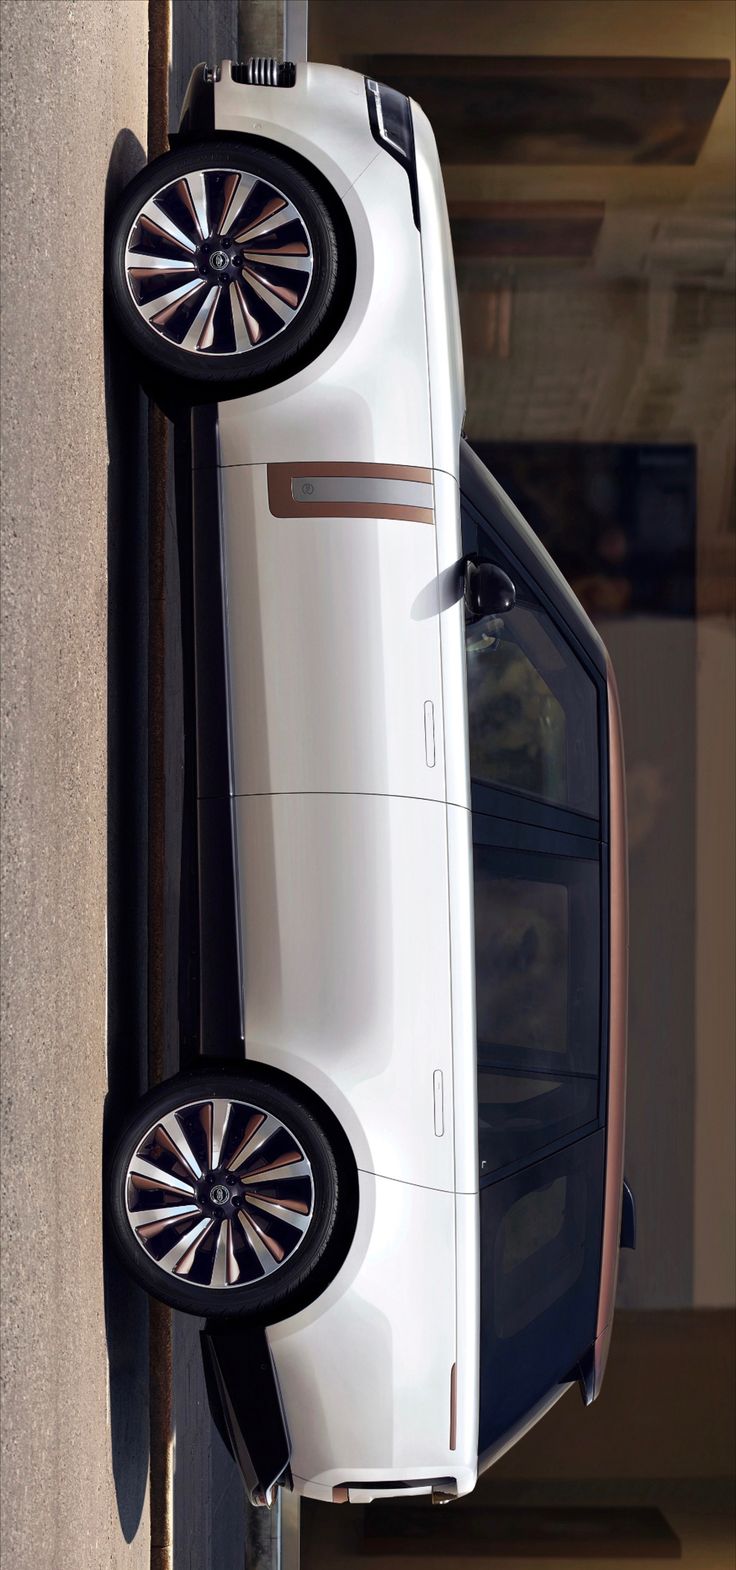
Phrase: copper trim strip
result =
(282, 503)
(453, 1407)
(617, 1016)
(366, 491)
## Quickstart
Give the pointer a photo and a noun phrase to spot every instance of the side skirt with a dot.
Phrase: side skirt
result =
(210, 1005)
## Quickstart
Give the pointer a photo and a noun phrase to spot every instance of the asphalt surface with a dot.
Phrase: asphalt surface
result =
(75, 685)
(74, 1366)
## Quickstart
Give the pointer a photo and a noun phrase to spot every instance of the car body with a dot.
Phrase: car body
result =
(411, 850)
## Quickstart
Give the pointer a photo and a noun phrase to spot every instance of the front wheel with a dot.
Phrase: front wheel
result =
(222, 265)
(224, 1196)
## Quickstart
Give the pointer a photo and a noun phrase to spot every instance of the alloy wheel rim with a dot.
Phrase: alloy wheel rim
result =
(218, 262)
(219, 1193)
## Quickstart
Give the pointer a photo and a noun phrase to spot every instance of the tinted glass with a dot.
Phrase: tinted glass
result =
(519, 1114)
(522, 949)
(538, 1253)
(537, 956)
(540, 1260)
(532, 709)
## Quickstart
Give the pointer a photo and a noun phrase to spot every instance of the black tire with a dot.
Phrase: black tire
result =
(292, 344)
(322, 1247)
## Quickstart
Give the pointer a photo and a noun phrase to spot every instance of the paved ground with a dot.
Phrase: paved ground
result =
(74, 810)
(74, 1369)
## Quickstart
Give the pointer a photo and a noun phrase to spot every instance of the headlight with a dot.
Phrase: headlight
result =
(389, 113)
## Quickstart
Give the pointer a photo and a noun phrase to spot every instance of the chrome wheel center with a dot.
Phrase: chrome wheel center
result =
(219, 1192)
(218, 262)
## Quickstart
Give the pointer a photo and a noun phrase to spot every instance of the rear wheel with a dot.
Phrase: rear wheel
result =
(222, 265)
(224, 1196)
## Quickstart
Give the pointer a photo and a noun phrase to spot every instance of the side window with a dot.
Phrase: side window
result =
(532, 708)
(539, 1266)
(539, 1253)
(537, 957)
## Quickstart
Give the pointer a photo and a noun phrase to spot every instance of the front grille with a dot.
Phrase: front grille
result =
(260, 71)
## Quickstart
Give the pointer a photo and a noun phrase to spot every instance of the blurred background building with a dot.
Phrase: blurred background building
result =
(588, 154)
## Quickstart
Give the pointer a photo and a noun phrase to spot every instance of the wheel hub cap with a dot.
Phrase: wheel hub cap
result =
(218, 262)
(219, 1193)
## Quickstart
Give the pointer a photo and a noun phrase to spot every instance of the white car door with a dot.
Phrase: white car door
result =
(338, 773)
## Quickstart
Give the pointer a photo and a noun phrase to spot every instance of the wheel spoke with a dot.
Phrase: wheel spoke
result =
(283, 291)
(197, 187)
(267, 1251)
(237, 190)
(201, 332)
(142, 266)
(144, 1174)
(273, 296)
(253, 1141)
(291, 1166)
(182, 188)
(294, 1218)
(300, 264)
(181, 1257)
(171, 1134)
(264, 222)
(271, 226)
(148, 1223)
(220, 1119)
(219, 1264)
(233, 1268)
(225, 1269)
(157, 222)
(299, 1206)
(247, 329)
(161, 309)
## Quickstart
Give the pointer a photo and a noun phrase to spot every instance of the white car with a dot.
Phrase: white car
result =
(393, 1186)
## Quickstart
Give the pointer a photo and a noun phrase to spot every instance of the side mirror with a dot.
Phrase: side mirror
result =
(488, 590)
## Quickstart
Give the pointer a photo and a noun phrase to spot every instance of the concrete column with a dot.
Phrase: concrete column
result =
(261, 28)
(274, 28)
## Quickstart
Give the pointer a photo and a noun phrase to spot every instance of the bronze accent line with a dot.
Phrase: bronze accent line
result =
(617, 1022)
(283, 505)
